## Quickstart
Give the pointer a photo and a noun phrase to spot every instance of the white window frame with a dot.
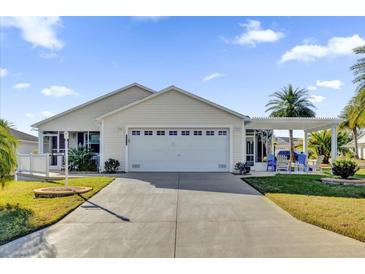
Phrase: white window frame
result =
(175, 132)
(160, 133)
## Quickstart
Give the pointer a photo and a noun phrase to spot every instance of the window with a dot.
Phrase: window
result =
(160, 132)
(136, 132)
(209, 132)
(173, 132)
(94, 141)
(148, 132)
(222, 132)
(185, 132)
(197, 132)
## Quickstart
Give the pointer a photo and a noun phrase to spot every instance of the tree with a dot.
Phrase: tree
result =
(320, 143)
(352, 118)
(359, 69)
(8, 145)
(290, 102)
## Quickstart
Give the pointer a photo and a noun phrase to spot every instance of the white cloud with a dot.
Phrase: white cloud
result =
(30, 115)
(334, 84)
(336, 46)
(58, 91)
(21, 85)
(3, 72)
(148, 18)
(256, 34)
(316, 98)
(39, 31)
(46, 114)
(212, 76)
(311, 88)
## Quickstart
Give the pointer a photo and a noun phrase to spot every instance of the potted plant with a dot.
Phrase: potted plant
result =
(242, 168)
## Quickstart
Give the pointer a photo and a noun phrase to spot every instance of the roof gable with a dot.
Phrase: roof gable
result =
(173, 88)
(98, 99)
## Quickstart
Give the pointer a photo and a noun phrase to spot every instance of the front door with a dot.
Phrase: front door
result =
(250, 151)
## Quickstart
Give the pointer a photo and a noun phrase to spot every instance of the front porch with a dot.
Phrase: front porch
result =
(53, 143)
(259, 135)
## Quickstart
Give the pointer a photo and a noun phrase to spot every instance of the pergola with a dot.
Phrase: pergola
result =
(308, 125)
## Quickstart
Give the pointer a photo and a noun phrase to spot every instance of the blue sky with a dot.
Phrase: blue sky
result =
(48, 65)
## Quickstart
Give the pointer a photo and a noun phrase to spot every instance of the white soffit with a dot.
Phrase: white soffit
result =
(297, 123)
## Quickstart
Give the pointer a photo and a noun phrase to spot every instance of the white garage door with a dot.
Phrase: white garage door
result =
(183, 149)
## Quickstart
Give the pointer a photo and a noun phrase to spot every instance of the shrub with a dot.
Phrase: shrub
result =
(80, 159)
(111, 165)
(344, 168)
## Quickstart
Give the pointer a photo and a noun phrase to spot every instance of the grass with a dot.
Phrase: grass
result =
(21, 213)
(337, 208)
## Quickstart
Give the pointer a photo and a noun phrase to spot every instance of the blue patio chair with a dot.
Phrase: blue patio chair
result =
(271, 162)
(302, 162)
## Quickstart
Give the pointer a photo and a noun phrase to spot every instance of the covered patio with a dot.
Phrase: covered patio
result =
(259, 132)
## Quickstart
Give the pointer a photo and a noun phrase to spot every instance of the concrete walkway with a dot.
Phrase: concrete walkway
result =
(181, 215)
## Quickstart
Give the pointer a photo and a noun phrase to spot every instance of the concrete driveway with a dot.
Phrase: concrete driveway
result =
(181, 215)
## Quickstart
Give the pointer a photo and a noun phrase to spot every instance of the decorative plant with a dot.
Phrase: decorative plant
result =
(111, 165)
(242, 168)
(80, 159)
(344, 168)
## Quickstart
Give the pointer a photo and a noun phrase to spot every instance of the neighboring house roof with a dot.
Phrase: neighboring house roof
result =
(93, 101)
(285, 140)
(22, 136)
(174, 88)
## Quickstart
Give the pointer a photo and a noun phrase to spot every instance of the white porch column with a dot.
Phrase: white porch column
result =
(305, 143)
(254, 147)
(333, 143)
(244, 145)
(40, 141)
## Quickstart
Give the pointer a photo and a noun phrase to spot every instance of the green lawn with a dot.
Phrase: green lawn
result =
(21, 213)
(337, 208)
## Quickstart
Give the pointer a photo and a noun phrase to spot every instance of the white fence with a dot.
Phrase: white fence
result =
(33, 163)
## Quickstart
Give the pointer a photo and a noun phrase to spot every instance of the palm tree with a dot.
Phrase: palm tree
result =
(8, 145)
(359, 69)
(290, 102)
(320, 143)
(353, 117)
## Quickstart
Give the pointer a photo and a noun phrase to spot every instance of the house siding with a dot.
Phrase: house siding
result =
(171, 109)
(25, 147)
(83, 119)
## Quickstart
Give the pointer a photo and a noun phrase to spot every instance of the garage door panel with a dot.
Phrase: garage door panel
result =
(178, 153)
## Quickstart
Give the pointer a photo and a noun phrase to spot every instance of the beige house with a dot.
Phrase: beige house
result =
(169, 130)
(282, 143)
(26, 143)
(360, 145)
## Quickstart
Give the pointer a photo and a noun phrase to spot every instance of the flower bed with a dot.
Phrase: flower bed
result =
(340, 181)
